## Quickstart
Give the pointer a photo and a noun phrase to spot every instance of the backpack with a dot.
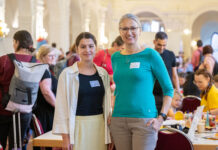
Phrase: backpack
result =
(24, 85)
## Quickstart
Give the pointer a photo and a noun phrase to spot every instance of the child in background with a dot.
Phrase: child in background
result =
(216, 80)
(175, 105)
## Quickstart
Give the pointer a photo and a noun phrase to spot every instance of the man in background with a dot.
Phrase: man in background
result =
(160, 43)
(197, 56)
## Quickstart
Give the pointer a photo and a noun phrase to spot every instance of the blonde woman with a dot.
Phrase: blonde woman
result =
(135, 120)
(83, 101)
(45, 103)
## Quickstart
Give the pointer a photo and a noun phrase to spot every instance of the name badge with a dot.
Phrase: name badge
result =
(135, 65)
(94, 83)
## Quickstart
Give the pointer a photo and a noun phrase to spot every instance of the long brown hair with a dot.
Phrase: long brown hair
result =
(206, 74)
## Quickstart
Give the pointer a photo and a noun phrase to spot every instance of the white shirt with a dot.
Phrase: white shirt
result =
(66, 102)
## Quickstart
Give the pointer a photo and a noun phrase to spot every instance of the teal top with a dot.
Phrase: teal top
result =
(134, 76)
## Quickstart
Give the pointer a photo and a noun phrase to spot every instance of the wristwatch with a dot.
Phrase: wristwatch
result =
(164, 116)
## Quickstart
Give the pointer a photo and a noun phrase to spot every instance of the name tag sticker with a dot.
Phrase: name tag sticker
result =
(94, 83)
(135, 65)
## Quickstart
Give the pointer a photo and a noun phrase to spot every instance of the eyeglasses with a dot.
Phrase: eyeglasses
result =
(52, 56)
(132, 29)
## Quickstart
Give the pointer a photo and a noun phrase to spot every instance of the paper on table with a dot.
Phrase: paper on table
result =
(196, 119)
(173, 122)
(211, 137)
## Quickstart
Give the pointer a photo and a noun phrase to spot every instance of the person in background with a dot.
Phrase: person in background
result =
(160, 43)
(103, 57)
(197, 56)
(54, 45)
(59, 52)
(182, 79)
(209, 61)
(180, 60)
(45, 103)
(23, 47)
(135, 120)
(175, 105)
(186, 66)
(72, 56)
(209, 93)
(216, 80)
(189, 88)
(61, 56)
(83, 101)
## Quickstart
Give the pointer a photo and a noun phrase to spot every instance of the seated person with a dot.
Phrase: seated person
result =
(189, 88)
(209, 93)
(182, 79)
(215, 78)
(175, 105)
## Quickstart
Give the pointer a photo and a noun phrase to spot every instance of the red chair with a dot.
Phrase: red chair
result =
(190, 103)
(37, 126)
(173, 139)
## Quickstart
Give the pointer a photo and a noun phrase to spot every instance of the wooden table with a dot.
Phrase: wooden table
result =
(204, 144)
(50, 140)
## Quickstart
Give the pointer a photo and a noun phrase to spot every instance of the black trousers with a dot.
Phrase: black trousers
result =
(6, 128)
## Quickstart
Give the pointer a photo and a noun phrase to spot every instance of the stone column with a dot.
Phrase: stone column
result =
(75, 20)
(58, 23)
(18, 15)
(103, 40)
(25, 10)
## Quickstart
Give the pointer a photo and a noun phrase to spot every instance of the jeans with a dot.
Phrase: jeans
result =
(6, 128)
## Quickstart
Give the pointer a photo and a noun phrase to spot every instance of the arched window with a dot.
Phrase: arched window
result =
(150, 22)
(214, 41)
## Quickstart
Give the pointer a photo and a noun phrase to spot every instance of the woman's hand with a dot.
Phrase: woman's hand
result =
(156, 123)
(110, 146)
(66, 142)
(109, 119)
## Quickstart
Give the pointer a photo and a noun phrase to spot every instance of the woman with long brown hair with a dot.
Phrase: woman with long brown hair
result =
(83, 101)
(209, 93)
